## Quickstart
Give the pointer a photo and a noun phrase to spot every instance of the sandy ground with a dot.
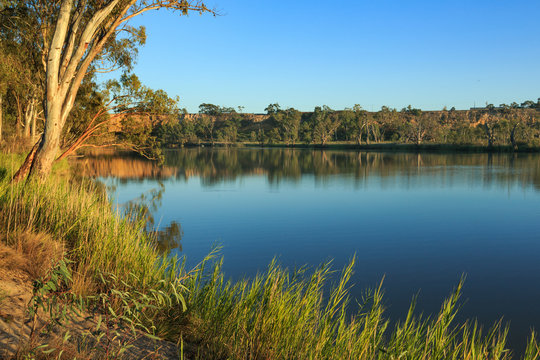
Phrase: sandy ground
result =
(16, 329)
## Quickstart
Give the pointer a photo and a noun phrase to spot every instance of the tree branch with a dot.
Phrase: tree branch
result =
(73, 30)
(56, 48)
(174, 5)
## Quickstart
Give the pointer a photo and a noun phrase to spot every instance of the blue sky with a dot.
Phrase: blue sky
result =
(339, 53)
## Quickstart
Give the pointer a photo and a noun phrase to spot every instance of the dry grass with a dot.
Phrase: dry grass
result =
(11, 259)
(83, 282)
(61, 349)
(3, 296)
(31, 253)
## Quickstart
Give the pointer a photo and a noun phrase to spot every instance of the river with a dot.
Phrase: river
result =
(421, 221)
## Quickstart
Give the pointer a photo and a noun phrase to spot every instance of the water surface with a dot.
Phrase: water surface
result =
(418, 220)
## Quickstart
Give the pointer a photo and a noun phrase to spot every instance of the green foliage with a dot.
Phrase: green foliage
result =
(272, 109)
(272, 136)
(285, 315)
(324, 123)
(123, 314)
(129, 94)
(176, 134)
(51, 294)
(287, 123)
(510, 127)
(140, 138)
(215, 110)
(133, 306)
(228, 132)
(80, 215)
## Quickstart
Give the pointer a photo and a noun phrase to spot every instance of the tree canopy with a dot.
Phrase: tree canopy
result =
(74, 39)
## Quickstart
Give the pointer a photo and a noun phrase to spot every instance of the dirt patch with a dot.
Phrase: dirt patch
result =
(83, 335)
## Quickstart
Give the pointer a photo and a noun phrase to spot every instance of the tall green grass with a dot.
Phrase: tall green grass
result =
(278, 314)
(293, 315)
(99, 240)
(79, 214)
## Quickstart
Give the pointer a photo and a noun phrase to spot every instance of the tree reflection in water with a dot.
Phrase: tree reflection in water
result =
(142, 209)
(216, 165)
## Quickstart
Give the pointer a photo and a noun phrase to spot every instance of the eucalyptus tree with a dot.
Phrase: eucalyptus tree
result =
(489, 122)
(21, 72)
(228, 132)
(528, 104)
(388, 123)
(347, 125)
(418, 125)
(361, 124)
(291, 125)
(325, 122)
(287, 122)
(74, 35)
(516, 123)
(272, 109)
(209, 109)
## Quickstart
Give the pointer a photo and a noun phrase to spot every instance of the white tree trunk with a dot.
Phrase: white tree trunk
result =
(33, 128)
(50, 141)
(29, 116)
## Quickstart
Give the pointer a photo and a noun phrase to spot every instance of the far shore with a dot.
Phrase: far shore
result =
(394, 147)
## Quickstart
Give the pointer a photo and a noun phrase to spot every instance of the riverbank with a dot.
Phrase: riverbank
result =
(382, 147)
(111, 269)
(279, 314)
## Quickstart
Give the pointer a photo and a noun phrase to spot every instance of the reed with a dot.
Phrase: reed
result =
(80, 215)
(296, 315)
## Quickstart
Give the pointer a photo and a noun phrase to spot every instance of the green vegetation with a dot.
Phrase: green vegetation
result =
(507, 127)
(97, 239)
(79, 215)
(278, 314)
(284, 315)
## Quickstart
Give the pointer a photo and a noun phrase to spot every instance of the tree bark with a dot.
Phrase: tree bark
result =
(33, 128)
(29, 116)
(27, 164)
(367, 134)
(18, 125)
(489, 135)
(48, 147)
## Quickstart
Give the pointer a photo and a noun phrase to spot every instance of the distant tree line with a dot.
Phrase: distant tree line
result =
(515, 126)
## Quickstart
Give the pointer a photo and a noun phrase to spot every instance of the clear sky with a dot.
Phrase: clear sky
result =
(300, 53)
